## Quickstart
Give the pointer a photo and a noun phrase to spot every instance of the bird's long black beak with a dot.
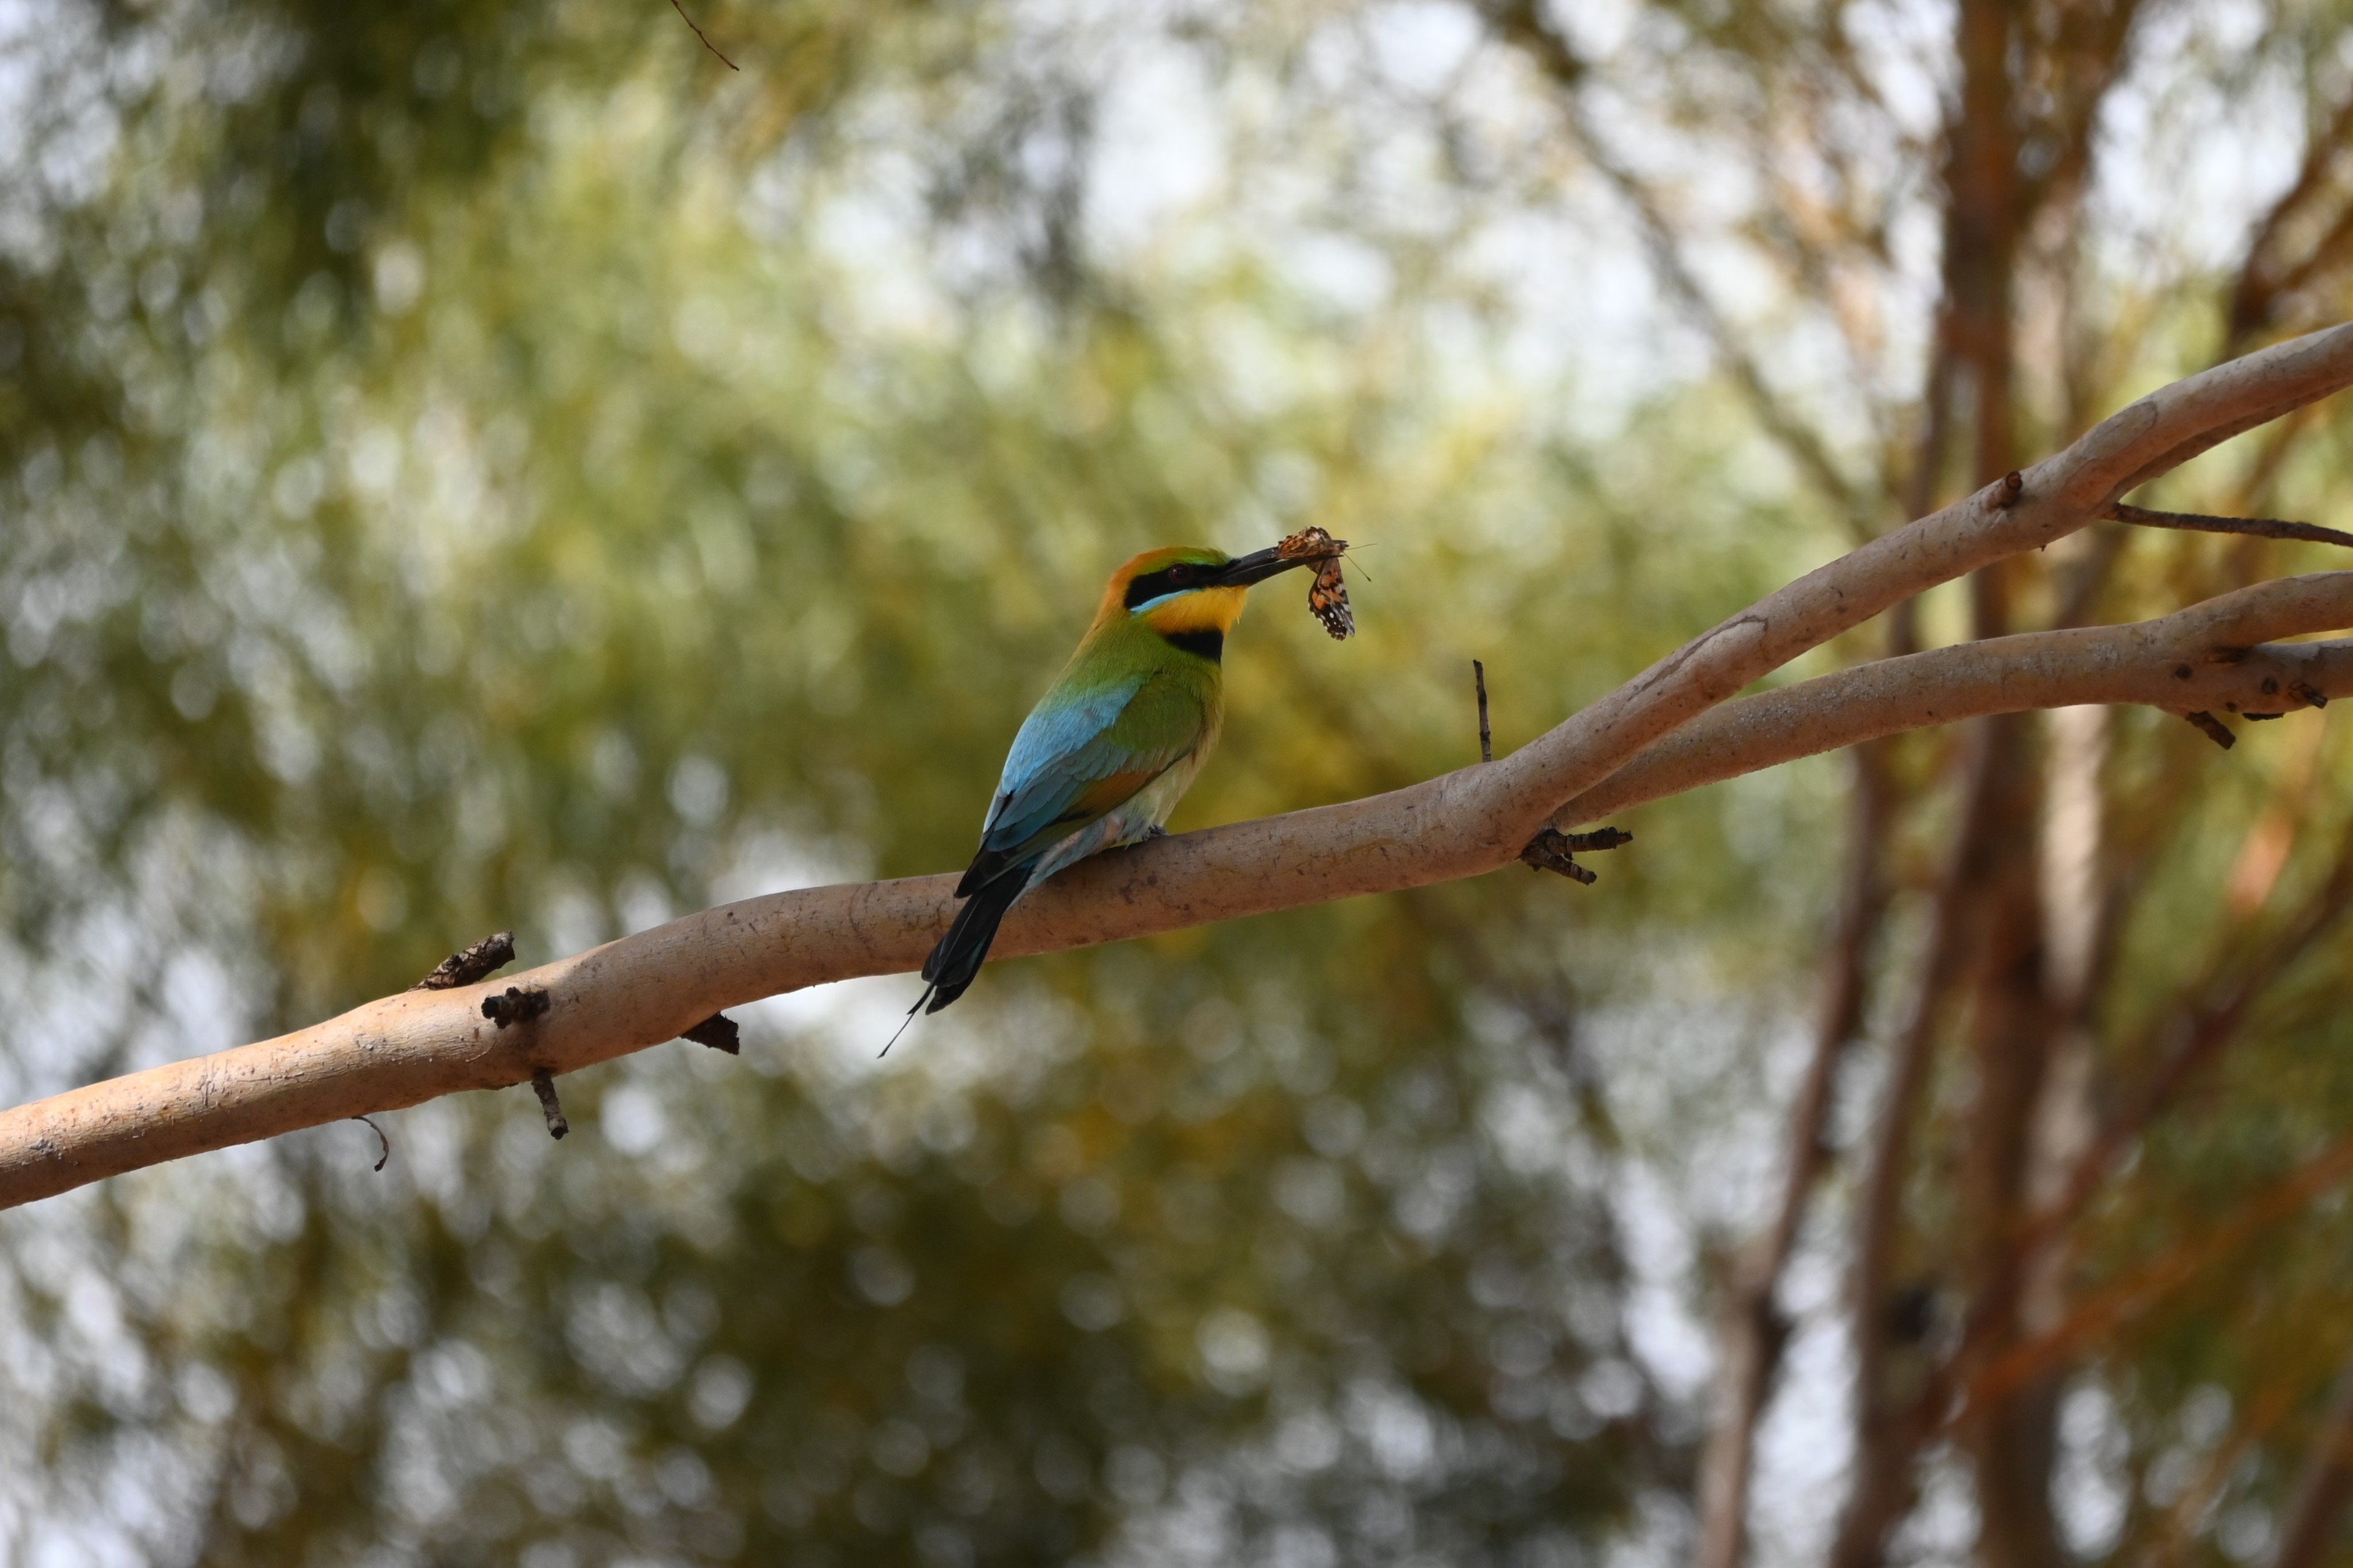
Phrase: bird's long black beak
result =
(1258, 566)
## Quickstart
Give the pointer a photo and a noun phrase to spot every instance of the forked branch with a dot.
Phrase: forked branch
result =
(653, 986)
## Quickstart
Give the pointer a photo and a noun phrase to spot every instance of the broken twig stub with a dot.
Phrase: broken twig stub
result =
(1551, 850)
(2213, 728)
(1486, 736)
(543, 1084)
(469, 964)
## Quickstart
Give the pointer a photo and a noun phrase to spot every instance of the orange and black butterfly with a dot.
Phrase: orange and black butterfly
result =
(1327, 597)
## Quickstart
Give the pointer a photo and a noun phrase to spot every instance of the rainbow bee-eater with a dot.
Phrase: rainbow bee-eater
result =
(1113, 744)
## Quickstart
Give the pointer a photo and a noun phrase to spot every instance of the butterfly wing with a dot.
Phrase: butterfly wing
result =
(1328, 597)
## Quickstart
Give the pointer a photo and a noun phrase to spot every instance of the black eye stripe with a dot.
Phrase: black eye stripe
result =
(1152, 584)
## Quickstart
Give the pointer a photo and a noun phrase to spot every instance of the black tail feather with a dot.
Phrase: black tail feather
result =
(956, 961)
(905, 1022)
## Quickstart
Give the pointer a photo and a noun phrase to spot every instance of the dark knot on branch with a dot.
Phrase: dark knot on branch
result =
(719, 1032)
(517, 1006)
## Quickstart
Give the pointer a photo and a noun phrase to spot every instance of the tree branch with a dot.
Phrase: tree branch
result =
(2205, 659)
(2205, 1026)
(1756, 1331)
(1525, 25)
(2159, 1277)
(1890, 1417)
(649, 987)
(2315, 1514)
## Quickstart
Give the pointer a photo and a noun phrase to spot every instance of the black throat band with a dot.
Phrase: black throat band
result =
(1209, 644)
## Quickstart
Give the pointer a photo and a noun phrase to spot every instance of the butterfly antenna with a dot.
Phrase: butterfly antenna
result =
(905, 1021)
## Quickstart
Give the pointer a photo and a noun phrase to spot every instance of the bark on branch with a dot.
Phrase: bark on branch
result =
(651, 988)
(2206, 659)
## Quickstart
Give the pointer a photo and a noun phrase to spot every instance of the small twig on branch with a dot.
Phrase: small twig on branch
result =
(543, 1084)
(468, 965)
(380, 1138)
(1486, 736)
(719, 1032)
(2198, 522)
(723, 60)
(2213, 728)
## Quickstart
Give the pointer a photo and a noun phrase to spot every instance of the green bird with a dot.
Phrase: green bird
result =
(1113, 746)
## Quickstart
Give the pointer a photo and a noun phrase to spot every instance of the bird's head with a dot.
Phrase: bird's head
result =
(1189, 588)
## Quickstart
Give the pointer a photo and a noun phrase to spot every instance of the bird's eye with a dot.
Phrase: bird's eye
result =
(1180, 574)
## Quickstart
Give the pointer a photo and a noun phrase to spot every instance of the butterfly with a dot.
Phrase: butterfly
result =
(1327, 597)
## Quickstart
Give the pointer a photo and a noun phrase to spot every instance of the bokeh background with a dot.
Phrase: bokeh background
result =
(470, 466)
